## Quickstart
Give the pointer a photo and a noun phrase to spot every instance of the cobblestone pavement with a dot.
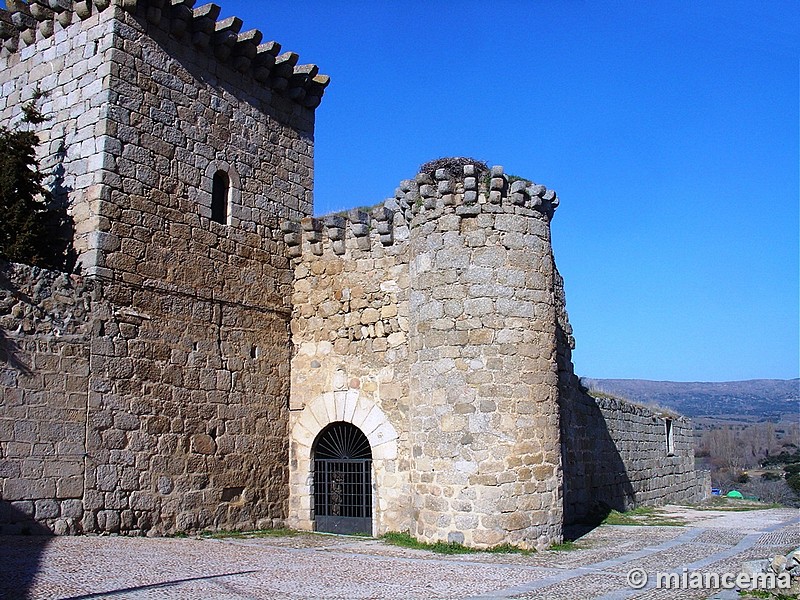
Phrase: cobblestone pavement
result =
(323, 566)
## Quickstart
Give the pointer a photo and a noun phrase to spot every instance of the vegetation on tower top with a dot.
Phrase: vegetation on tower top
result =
(455, 165)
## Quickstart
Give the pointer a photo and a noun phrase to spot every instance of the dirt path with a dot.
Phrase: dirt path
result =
(319, 566)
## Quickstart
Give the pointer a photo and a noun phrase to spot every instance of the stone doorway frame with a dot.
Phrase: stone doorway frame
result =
(305, 425)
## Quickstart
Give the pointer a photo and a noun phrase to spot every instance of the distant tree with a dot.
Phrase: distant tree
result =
(794, 483)
(779, 491)
(792, 469)
(725, 449)
(744, 447)
(26, 224)
(784, 458)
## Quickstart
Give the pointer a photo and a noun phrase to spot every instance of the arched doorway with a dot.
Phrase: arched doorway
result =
(342, 480)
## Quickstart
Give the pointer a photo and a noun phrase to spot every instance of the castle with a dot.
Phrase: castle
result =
(223, 360)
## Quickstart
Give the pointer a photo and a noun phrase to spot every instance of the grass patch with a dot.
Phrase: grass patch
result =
(735, 504)
(765, 594)
(259, 533)
(630, 517)
(405, 540)
(644, 515)
(507, 549)
(565, 546)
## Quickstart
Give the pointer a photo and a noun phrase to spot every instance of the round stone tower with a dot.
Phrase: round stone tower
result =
(483, 417)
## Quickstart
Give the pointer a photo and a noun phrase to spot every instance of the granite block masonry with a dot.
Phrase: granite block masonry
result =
(184, 389)
(184, 377)
(436, 323)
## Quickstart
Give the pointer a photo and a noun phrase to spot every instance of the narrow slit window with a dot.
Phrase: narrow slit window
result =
(220, 190)
(670, 441)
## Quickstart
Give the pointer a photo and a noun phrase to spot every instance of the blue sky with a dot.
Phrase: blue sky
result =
(669, 130)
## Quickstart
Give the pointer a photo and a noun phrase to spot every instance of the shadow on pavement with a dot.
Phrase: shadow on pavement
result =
(22, 543)
(154, 586)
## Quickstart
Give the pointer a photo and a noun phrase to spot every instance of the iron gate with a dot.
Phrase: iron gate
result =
(343, 480)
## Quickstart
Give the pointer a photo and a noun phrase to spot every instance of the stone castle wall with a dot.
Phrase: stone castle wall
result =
(45, 335)
(417, 319)
(70, 67)
(616, 457)
(350, 332)
(189, 356)
(180, 382)
(484, 417)
(207, 342)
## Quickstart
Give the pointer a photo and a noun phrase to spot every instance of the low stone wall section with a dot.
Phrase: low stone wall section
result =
(617, 456)
(45, 329)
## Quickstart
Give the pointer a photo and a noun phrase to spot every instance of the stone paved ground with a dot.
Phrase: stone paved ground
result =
(321, 566)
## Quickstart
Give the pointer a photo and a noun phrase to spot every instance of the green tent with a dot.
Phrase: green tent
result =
(734, 494)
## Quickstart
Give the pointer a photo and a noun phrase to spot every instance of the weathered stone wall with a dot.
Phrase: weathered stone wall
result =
(189, 372)
(350, 331)
(179, 116)
(193, 387)
(484, 421)
(82, 451)
(615, 453)
(615, 456)
(45, 331)
(188, 416)
(431, 321)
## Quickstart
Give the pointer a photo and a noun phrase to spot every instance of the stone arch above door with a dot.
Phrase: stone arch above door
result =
(349, 407)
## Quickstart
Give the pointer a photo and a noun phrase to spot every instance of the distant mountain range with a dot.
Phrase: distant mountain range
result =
(742, 401)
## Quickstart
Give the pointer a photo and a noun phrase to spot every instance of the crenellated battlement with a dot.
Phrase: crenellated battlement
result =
(417, 201)
(356, 229)
(23, 23)
(473, 193)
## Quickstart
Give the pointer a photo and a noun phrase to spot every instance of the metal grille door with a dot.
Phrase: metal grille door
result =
(343, 480)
